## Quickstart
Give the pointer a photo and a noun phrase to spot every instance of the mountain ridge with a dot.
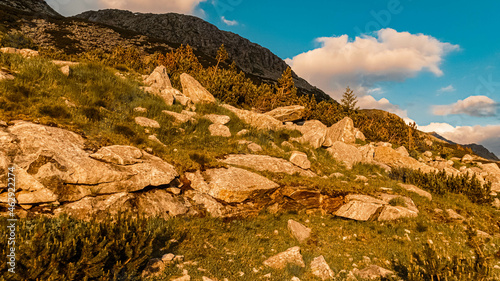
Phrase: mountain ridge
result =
(478, 149)
(249, 56)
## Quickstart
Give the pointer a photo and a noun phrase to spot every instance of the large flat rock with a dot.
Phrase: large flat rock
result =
(266, 163)
(232, 185)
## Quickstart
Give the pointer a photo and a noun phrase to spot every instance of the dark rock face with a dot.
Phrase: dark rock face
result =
(184, 29)
(34, 6)
(482, 151)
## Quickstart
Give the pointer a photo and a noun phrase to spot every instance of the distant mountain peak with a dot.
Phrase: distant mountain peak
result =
(34, 6)
(476, 148)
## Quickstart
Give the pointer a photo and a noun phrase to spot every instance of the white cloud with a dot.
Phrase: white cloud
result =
(375, 91)
(388, 56)
(447, 89)
(72, 7)
(479, 106)
(229, 22)
(488, 136)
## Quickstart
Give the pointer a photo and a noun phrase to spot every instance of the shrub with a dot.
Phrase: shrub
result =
(64, 248)
(440, 183)
(17, 40)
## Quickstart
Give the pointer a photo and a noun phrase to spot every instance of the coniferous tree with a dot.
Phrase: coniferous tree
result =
(349, 101)
(286, 92)
(221, 57)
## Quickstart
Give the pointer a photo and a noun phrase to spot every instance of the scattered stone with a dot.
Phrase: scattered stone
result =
(346, 153)
(390, 157)
(454, 215)
(299, 231)
(290, 256)
(402, 150)
(300, 159)
(321, 269)
(146, 122)
(194, 90)
(168, 258)
(119, 155)
(372, 272)
(313, 133)
(359, 135)
(204, 278)
(295, 279)
(27, 53)
(337, 175)
(158, 79)
(428, 154)
(358, 210)
(183, 278)
(266, 163)
(219, 130)
(140, 109)
(257, 120)
(287, 145)
(254, 147)
(69, 103)
(467, 158)
(154, 267)
(65, 70)
(496, 203)
(155, 139)
(180, 118)
(218, 119)
(5, 76)
(416, 190)
(232, 185)
(342, 131)
(361, 178)
(242, 132)
(482, 234)
(287, 113)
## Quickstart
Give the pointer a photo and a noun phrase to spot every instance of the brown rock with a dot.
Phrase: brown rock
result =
(342, 131)
(266, 163)
(180, 118)
(5, 76)
(390, 157)
(218, 119)
(194, 90)
(313, 133)
(281, 260)
(358, 210)
(346, 153)
(372, 272)
(257, 120)
(321, 269)
(119, 154)
(288, 113)
(299, 231)
(300, 159)
(158, 79)
(416, 190)
(219, 130)
(146, 122)
(232, 185)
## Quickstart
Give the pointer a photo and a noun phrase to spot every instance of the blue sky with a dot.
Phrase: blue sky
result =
(436, 63)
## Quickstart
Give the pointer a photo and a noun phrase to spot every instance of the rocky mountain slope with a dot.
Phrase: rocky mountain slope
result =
(250, 57)
(476, 148)
(33, 6)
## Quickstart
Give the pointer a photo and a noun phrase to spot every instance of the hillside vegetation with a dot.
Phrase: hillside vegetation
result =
(454, 237)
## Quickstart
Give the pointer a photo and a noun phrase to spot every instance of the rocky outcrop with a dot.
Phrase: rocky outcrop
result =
(232, 185)
(313, 133)
(364, 208)
(4, 75)
(372, 272)
(218, 119)
(27, 53)
(345, 153)
(394, 159)
(300, 159)
(54, 167)
(158, 79)
(34, 6)
(194, 90)
(281, 260)
(342, 131)
(219, 130)
(288, 113)
(266, 163)
(414, 189)
(257, 120)
(180, 118)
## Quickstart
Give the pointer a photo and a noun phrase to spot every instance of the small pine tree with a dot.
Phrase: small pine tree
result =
(349, 100)
(286, 92)
(221, 57)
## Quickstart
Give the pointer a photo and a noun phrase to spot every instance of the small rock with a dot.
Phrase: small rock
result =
(402, 150)
(140, 109)
(180, 118)
(194, 90)
(218, 119)
(428, 154)
(155, 139)
(496, 203)
(168, 257)
(454, 215)
(183, 278)
(204, 278)
(361, 178)
(467, 158)
(321, 269)
(372, 272)
(299, 231)
(146, 122)
(242, 132)
(219, 130)
(483, 234)
(300, 159)
(295, 279)
(287, 145)
(65, 70)
(337, 175)
(416, 190)
(254, 147)
(290, 256)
